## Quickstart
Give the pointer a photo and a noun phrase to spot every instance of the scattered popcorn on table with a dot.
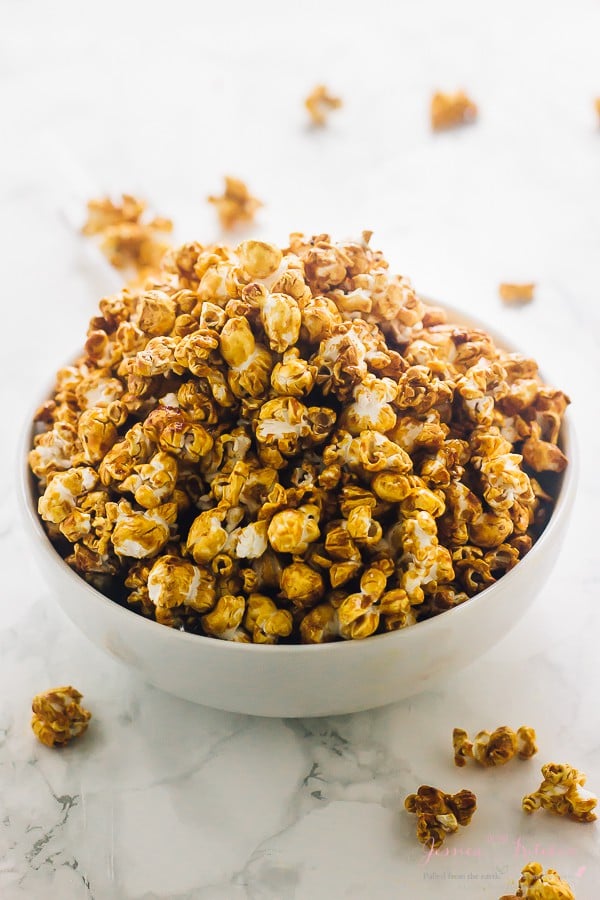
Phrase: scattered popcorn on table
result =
(535, 884)
(319, 103)
(287, 445)
(236, 206)
(561, 792)
(127, 240)
(450, 110)
(439, 814)
(58, 716)
(516, 293)
(495, 748)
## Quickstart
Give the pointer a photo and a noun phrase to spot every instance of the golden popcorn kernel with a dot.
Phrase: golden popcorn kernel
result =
(63, 492)
(236, 205)
(516, 293)
(265, 622)
(450, 110)
(103, 213)
(319, 103)
(206, 536)
(561, 792)
(495, 748)
(535, 884)
(142, 534)
(58, 716)
(292, 530)
(126, 239)
(439, 814)
(156, 313)
(302, 585)
(258, 258)
(543, 456)
(173, 581)
(225, 620)
(319, 625)
(176, 434)
(293, 376)
(281, 320)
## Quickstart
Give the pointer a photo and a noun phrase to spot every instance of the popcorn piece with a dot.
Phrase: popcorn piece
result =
(292, 530)
(58, 716)
(534, 884)
(142, 534)
(494, 749)
(175, 434)
(450, 110)
(542, 456)
(225, 620)
(173, 582)
(249, 363)
(319, 102)
(126, 239)
(516, 293)
(319, 625)
(293, 376)
(281, 320)
(439, 814)
(359, 614)
(154, 482)
(561, 792)
(63, 492)
(237, 205)
(259, 259)
(265, 622)
(371, 408)
(301, 585)
(206, 536)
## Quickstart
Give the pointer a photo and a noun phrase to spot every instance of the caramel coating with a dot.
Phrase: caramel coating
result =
(275, 444)
(561, 792)
(495, 748)
(128, 237)
(516, 293)
(236, 205)
(450, 110)
(319, 103)
(58, 716)
(535, 884)
(439, 814)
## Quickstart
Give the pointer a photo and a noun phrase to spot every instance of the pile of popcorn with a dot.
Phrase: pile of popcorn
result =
(266, 445)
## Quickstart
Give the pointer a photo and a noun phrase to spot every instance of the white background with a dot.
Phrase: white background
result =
(168, 800)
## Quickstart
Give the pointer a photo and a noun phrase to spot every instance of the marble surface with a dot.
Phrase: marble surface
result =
(164, 799)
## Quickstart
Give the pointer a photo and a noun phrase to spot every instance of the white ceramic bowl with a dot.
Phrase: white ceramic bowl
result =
(303, 680)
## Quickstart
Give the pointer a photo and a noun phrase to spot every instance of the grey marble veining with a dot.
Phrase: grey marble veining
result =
(164, 800)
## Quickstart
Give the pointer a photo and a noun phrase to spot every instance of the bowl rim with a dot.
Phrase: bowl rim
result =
(564, 500)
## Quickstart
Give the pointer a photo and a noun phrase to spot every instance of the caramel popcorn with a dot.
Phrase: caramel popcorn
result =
(535, 884)
(450, 110)
(561, 792)
(58, 716)
(237, 205)
(319, 103)
(495, 748)
(127, 240)
(287, 445)
(439, 814)
(516, 293)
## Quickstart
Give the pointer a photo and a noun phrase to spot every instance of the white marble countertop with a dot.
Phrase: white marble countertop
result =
(164, 799)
